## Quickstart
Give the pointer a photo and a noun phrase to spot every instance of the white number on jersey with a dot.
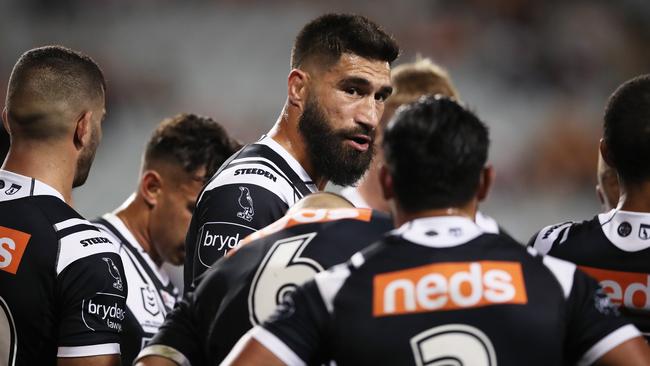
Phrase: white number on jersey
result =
(453, 344)
(7, 335)
(281, 271)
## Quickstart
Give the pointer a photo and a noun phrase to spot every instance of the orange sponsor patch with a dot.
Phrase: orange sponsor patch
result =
(12, 247)
(630, 289)
(308, 216)
(448, 286)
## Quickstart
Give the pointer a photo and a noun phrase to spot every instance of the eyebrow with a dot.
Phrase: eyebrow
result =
(363, 83)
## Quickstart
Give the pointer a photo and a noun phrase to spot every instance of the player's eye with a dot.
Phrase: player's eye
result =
(352, 91)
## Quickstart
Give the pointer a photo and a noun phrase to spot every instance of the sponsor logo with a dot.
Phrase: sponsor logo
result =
(110, 313)
(222, 241)
(218, 239)
(97, 240)
(448, 286)
(2, 183)
(12, 247)
(257, 171)
(644, 232)
(13, 189)
(624, 229)
(455, 231)
(115, 273)
(629, 289)
(246, 203)
(149, 300)
(308, 216)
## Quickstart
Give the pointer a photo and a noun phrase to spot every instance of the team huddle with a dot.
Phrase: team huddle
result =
(400, 268)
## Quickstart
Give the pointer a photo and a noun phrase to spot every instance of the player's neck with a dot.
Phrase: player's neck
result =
(400, 217)
(285, 132)
(49, 166)
(370, 190)
(135, 215)
(636, 198)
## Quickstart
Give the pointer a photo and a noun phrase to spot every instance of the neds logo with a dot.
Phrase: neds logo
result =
(629, 289)
(12, 247)
(448, 286)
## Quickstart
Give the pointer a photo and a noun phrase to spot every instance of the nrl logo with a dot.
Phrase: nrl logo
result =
(13, 189)
(115, 273)
(246, 203)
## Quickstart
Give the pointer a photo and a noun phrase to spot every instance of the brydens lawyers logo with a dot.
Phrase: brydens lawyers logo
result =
(12, 247)
(448, 286)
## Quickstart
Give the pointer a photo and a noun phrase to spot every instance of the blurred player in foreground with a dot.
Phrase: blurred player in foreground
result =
(439, 288)
(339, 80)
(614, 247)
(150, 226)
(62, 284)
(410, 82)
(238, 292)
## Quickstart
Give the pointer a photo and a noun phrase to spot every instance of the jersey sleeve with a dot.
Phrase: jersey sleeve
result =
(544, 240)
(92, 301)
(595, 325)
(224, 216)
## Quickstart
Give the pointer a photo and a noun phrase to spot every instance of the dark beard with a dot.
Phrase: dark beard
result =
(85, 161)
(330, 156)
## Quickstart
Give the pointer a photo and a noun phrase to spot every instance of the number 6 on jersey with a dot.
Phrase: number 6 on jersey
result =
(281, 271)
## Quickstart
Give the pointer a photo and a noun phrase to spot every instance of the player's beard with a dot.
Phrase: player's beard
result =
(86, 159)
(330, 156)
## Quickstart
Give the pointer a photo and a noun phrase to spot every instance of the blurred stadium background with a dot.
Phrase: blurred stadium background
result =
(537, 72)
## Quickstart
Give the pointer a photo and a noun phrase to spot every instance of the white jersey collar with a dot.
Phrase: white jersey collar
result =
(119, 225)
(14, 186)
(439, 231)
(352, 194)
(293, 163)
(627, 230)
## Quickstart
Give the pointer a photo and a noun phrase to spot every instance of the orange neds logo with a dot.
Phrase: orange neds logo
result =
(12, 247)
(629, 289)
(448, 286)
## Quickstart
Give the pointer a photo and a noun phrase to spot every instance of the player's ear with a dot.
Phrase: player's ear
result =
(386, 182)
(83, 130)
(604, 152)
(5, 120)
(485, 183)
(151, 187)
(297, 88)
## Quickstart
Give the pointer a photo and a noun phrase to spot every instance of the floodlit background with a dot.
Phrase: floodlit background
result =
(537, 72)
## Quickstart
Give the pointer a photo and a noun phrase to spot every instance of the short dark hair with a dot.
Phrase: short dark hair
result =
(627, 129)
(45, 78)
(435, 150)
(192, 142)
(328, 36)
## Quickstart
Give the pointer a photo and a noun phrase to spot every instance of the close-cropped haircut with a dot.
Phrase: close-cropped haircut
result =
(192, 142)
(327, 37)
(422, 77)
(435, 150)
(627, 129)
(48, 82)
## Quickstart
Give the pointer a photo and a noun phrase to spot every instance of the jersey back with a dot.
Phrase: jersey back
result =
(242, 290)
(62, 288)
(613, 248)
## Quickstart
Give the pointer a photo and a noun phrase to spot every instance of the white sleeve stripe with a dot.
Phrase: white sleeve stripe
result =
(167, 352)
(276, 346)
(69, 223)
(330, 282)
(608, 343)
(563, 272)
(86, 351)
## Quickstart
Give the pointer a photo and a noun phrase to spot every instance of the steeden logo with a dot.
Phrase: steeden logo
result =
(448, 286)
(12, 247)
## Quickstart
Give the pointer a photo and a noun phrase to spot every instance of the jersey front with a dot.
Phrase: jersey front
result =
(62, 284)
(440, 291)
(152, 295)
(254, 188)
(614, 248)
(242, 290)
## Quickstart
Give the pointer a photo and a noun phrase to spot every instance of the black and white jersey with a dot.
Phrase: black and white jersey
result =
(251, 190)
(614, 248)
(152, 295)
(439, 289)
(62, 284)
(242, 290)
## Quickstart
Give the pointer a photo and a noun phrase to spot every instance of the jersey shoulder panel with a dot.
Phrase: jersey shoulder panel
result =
(548, 237)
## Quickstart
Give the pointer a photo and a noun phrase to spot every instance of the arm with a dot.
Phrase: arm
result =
(156, 361)
(633, 352)
(104, 360)
(252, 353)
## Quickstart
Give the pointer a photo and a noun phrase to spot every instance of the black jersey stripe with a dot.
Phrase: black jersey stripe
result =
(75, 229)
(296, 191)
(31, 187)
